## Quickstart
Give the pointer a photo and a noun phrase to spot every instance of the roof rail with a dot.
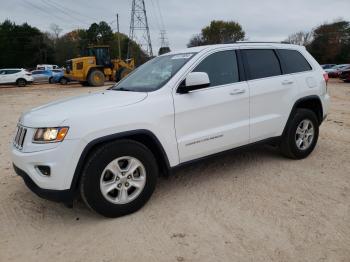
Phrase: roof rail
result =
(255, 42)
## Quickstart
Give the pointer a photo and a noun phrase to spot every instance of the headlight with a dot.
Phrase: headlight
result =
(50, 134)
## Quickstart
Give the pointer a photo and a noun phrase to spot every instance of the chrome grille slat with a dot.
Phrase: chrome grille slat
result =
(20, 137)
(23, 135)
(17, 133)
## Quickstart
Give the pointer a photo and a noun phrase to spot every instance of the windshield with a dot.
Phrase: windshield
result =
(154, 74)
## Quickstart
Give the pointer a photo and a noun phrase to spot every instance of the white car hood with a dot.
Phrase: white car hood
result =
(55, 113)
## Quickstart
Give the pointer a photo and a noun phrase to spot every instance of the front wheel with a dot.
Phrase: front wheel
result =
(119, 178)
(301, 135)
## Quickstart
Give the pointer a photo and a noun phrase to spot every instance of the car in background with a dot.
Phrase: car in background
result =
(335, 71)
(17, 76)
(345, 75)
(328, 66)
(46, 67)
(42, 76)
(57, 74)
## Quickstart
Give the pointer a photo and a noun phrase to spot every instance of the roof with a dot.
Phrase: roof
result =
(198, 49)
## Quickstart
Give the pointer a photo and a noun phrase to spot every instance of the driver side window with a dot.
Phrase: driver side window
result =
(221, 67)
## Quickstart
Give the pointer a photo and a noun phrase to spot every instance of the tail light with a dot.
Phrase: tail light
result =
(326, 78)
(28, 74)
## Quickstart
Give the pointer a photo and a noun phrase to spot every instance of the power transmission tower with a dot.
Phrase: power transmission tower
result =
(139, 29)
(164, 43)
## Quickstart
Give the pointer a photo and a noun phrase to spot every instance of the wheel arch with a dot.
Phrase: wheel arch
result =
(312, 103)
(21, 78)
(145, 137)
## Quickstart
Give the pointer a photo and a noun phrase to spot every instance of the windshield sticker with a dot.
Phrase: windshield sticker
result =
(182, 56)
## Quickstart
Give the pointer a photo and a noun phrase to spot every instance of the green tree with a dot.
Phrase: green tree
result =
(23, 46)
(100, 33)
(331, 43)
(218, 32)
(26, 46)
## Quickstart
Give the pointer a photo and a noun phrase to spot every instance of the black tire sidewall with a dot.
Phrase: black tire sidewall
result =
(21, 83)
(300, 115)
(90, 184)
(63, 81)
(91, 78)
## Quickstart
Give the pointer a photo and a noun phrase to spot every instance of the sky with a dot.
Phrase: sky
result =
(262, 20)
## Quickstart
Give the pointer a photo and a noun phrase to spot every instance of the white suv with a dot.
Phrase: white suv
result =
(18, 76)
(179, 107)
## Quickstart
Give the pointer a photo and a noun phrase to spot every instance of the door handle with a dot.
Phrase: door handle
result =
(237, 92)
(287, 82)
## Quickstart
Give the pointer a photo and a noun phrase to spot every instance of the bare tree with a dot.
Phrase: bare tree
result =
(300, 38)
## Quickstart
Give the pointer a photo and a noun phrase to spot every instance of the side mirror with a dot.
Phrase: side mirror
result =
(194, 81)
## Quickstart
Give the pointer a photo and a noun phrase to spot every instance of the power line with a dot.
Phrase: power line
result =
(156, 15)
(61, 10)
(160, 14)
(43, 10)
(72, 10)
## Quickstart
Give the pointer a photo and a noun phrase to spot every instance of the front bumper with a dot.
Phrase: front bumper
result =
(62, 160)
(64, 196)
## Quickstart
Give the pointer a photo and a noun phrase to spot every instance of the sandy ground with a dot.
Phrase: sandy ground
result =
(248, 206)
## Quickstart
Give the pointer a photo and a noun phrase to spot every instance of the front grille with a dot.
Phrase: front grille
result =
(20, 136)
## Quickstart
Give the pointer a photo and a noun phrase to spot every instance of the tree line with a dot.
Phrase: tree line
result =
(26, 46)
(328, 43)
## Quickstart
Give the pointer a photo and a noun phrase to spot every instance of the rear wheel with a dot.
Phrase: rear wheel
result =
(21, 82)
(96, 78)
(119, 178)
(301, 135)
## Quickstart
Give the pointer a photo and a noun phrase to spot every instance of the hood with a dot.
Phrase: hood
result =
(55, 113)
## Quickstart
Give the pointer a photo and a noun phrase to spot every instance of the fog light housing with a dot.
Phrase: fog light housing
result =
(44, 170)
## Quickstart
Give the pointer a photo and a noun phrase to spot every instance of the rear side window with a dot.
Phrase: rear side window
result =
(261, 63)
(12, 71)
(294, 62)
(221, 67)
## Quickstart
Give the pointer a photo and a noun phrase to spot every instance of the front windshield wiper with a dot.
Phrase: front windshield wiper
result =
(122, 89)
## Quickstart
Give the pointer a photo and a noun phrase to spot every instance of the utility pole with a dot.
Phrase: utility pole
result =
(139, 29)
(119, 49)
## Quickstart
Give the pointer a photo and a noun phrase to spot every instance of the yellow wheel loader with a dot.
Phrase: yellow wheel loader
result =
(97, 67)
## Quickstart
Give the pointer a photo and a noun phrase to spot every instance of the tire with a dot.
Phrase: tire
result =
(123, 72)
(63, 81)
(297, 141)
(96, 78)
(51, 80)
(21, 82)
(95, 175)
